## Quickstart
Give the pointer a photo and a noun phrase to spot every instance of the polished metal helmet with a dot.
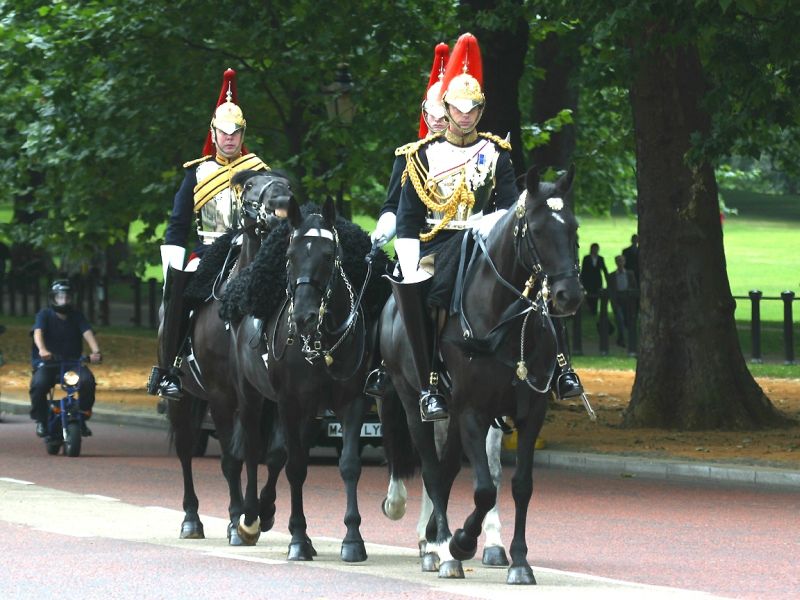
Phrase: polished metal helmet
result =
(228, 117)
(463, 77)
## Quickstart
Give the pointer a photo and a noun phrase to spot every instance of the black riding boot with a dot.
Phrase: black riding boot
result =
(165, 379)
(567, 383)
(423, 337)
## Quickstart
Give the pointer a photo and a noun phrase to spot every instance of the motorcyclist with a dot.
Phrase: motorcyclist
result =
(58, 333)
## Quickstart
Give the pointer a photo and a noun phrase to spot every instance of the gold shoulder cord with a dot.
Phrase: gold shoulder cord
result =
(432, 199)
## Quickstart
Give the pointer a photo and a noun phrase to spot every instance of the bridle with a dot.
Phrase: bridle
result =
(261, 217)
(312, 349)
(528, 257)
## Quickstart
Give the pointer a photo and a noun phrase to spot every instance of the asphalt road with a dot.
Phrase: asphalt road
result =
(106, 524)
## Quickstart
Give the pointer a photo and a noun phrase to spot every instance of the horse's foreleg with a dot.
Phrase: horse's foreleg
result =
(249, 525)
(300, 547)
(232, 470)
(520, 571)
(276, 460)
(465, 541)
(353, 549)
(181, 422)
(494, 553)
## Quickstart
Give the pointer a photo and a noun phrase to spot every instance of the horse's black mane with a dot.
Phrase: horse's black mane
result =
(201, 283)
(260, 289)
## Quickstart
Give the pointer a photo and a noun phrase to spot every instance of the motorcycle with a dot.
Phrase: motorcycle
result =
(65, 420)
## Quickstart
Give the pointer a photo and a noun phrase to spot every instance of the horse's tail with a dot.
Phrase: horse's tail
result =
(265, 428)
(401, 455)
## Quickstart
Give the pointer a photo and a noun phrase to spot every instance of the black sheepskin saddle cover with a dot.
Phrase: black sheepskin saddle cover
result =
(219, 256)
(260, 289)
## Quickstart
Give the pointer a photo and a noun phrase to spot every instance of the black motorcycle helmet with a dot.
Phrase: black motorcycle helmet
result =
(61, 296)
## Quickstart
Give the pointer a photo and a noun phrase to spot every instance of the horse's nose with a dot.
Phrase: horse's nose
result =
(306, 321)
(567, 300)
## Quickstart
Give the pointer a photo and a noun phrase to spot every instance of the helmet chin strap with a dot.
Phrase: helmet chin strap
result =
(460, 130)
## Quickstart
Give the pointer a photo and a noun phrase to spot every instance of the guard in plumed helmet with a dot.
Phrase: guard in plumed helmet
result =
(432, 120)
(206, 199)
(451, 178)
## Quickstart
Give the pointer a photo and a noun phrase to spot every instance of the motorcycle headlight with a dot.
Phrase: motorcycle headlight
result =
(71, 378)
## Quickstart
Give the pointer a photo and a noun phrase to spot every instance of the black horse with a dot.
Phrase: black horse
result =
(207, 366)
(500, 355)
(308, 354)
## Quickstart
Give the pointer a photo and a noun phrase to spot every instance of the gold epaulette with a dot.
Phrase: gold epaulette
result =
(414, 146)
(497, 140)
(196, 161)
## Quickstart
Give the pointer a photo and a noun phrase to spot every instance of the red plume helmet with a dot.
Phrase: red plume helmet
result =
(463, 78)
(432, 96)
(226, 112)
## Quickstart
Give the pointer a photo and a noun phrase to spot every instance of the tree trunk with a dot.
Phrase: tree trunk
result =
(690, 373)
(503, 55)
(557, 58)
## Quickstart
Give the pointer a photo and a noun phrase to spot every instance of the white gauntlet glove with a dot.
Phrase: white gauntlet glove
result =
(172, 256)
(407, 250)
(385, 229)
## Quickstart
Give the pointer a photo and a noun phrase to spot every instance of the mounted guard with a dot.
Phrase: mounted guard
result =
(207, 195)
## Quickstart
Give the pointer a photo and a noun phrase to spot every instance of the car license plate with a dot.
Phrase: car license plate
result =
(369, 430)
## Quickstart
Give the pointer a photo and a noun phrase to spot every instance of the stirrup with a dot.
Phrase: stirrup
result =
(568, 385)
(156, 374)
(432, 406)
(377, 383)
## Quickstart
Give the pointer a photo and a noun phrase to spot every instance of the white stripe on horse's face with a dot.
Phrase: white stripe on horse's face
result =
(557, 217)
(323, 233)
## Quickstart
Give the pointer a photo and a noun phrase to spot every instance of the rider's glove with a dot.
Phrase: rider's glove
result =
(385, 229)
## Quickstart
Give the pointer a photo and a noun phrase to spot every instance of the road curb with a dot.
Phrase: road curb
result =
(751, 476)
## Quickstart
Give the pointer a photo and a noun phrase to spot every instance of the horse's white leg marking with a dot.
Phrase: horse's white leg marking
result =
(394, 506)
(491, 523)
(254, 529)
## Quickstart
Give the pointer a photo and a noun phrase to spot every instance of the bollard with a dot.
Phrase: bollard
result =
(788, 328)
(755, 325)
(577, 341)
(603, 323)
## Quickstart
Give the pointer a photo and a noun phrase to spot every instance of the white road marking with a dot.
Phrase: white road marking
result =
(17, 481)
(101, 497)
(89, 515)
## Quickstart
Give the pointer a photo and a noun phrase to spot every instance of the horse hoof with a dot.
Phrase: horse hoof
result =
(393, 510)
(430, 562)
(192, 530)
(353, 552)
(248, 535)
(495, 556)
(233, 536)
(451, 569)
(301, 551)
(521, 576)
(462, 546)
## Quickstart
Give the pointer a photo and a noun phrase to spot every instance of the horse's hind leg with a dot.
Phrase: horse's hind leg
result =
(353, 549)
(494, 553)
(183, 431)
(520, 571)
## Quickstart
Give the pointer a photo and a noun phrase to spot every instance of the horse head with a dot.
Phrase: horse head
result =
(313, 261)
(262, 193)
(549, 245)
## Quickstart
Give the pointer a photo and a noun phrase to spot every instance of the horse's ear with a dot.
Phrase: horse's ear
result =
(329, 212)
(564, 183)
(241, 176)
(532, 181)
(295, 218)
